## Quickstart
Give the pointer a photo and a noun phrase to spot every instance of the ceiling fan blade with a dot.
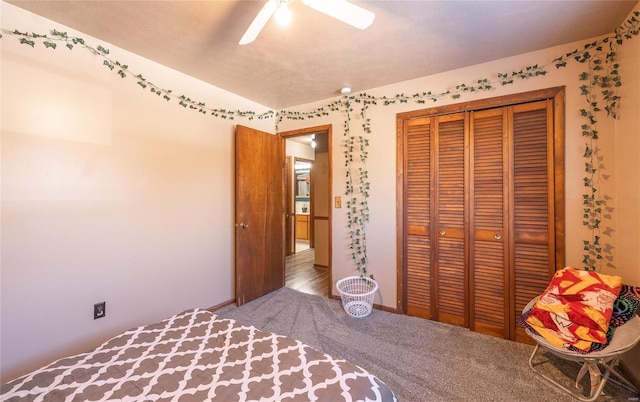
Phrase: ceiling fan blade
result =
(259, 22)
(344, 11)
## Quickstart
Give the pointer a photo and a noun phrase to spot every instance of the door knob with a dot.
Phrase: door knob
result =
(497, 236)
(242, 225)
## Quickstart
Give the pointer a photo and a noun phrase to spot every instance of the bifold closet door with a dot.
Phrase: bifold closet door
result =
(533, 241)
(417, 217)
(450, 288)
(482, 210)
(434, 193)
(489, 230)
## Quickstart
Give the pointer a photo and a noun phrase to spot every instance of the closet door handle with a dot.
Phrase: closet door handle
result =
(497, 236)
(443, 232)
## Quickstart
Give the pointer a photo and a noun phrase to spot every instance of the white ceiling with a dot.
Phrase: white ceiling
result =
(316, 55)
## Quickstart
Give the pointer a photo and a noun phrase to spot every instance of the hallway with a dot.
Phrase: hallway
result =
(302, 245)
(301, 275)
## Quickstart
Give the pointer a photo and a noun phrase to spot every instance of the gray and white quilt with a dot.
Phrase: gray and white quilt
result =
(198, 356)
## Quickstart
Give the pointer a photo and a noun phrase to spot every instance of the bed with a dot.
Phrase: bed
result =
(198, 356)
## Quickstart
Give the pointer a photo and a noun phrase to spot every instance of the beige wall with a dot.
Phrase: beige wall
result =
(626, 164)
(381, 235)
(108, 194)
(627, 177)
(299, 150)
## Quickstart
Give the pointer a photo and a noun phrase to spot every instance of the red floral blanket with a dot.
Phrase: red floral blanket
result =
(576, 308)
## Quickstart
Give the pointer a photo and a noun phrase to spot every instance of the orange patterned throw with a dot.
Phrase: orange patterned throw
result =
(576, 307)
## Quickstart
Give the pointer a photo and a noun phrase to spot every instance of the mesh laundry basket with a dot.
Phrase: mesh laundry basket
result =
(357, 295)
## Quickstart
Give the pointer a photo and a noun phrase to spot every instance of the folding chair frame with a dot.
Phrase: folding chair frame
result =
(598, 378)
(600, 365)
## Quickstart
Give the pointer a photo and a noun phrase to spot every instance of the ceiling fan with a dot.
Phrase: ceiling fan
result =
(339, 9)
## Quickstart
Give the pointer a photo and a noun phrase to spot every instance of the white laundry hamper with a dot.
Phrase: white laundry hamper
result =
(357, 294)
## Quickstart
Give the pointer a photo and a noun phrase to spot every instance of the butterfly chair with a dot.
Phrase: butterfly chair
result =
(600, 364)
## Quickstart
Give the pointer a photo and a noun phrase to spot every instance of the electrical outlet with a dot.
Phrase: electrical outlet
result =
(338, 202)
(99, 310)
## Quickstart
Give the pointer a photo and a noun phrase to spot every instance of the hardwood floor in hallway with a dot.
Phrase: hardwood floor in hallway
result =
(301, 275)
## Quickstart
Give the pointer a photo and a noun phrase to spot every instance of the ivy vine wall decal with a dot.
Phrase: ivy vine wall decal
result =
(600, 80)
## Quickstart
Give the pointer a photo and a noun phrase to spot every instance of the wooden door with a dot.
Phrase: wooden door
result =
(449, 215)
(259, 215)
(417, 217)
(302, 227)
(481, 216)
(535, 184)
(488, 224)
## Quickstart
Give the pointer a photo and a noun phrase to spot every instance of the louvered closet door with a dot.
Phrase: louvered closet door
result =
(417, 196)
(533, 199)
(450, 273)
(479, 212)
(488, 209)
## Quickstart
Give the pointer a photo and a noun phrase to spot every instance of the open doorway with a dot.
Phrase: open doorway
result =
(308, 210)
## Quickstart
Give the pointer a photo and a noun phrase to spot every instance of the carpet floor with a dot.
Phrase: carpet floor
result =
(421, 360)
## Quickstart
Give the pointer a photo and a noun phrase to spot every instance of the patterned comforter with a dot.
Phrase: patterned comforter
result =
(197, 356)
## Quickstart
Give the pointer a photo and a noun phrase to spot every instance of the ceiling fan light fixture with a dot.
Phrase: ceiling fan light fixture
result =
(283, 14)
(259, 22)
(339, 9)
(343, 11)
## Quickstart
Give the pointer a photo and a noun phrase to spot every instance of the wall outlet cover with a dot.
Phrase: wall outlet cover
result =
(99, 310)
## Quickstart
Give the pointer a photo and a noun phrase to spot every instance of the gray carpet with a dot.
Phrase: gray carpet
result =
(421, 360)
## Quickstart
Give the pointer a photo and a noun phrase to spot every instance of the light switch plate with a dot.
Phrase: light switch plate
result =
(338, 202)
